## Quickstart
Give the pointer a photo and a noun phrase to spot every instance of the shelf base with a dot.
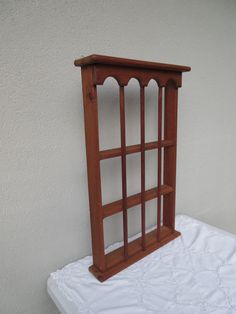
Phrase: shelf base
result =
(115, 260)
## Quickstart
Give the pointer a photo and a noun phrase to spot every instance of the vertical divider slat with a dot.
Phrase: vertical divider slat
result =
(142, 135)
(159, 164)
(123, 168)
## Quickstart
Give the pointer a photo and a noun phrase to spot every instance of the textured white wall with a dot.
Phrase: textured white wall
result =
(44, 218)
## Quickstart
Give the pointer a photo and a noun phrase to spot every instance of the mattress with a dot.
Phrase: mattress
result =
(195, 273)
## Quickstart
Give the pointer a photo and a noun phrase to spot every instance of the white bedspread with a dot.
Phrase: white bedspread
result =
(195, 273)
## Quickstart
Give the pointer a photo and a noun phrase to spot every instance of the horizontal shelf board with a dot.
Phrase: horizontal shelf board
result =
(115, 260)
(133, 200)
(116, 152)
(124, 62)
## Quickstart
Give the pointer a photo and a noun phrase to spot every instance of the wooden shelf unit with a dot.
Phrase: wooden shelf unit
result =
(95, 69)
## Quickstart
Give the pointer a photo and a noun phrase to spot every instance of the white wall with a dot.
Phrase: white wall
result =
(44, 218)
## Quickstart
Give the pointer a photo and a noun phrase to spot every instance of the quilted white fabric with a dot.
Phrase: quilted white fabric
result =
(195, 273)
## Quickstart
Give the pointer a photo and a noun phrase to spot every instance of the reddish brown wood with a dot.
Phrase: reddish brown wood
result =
(133, 200)
(95, 69)
(116, 256)
(142, 135)
(123, 167)
(124, 74)
(159, 163)
(116, 152)
(93, 167)
(123, 62)
(170, 132)
(115, 259)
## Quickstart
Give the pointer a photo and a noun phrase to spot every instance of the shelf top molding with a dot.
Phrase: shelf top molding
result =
(131, 63)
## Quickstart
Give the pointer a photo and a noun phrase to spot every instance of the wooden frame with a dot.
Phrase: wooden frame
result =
(95, 69)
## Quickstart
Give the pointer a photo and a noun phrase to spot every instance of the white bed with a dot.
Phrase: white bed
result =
(195, 273)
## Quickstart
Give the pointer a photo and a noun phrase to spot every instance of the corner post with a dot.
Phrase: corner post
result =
(93, 165)
(170, 133)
